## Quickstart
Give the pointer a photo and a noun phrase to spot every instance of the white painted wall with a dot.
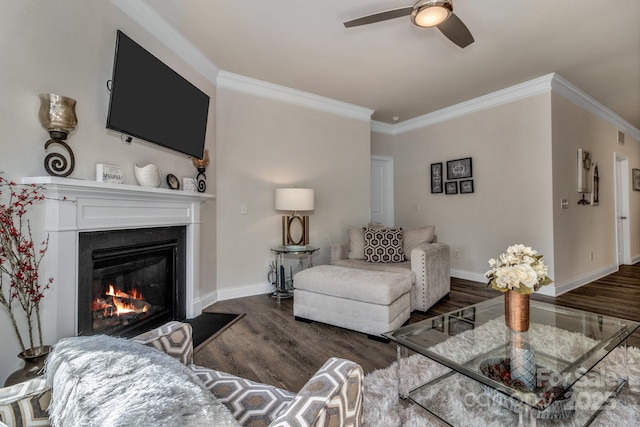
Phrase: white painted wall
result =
(382, 145)
(579, 229)
(524, 163)
(67, 47)
(264, 144)
(510, 147)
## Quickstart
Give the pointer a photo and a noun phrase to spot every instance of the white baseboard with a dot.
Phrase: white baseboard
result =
(226, 294)
(553, 290)
(245, 291)
(468, 275)
(561, 288)
(266, 288)
(204, 301)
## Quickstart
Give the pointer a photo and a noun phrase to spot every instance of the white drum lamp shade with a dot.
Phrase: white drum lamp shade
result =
(295, 199)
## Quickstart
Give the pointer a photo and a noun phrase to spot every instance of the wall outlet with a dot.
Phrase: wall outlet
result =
(591, 255)
(456, 253)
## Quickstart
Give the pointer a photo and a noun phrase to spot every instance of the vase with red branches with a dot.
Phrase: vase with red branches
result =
(21, 288)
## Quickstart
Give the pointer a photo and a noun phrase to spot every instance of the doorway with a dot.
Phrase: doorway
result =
(382, 211)
(623, 243)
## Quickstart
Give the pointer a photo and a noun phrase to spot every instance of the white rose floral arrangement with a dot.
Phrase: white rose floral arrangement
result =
(518, 269)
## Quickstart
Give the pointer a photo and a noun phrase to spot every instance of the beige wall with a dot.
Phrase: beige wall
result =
(524, 163)
(264, 144)
(580, 230)
(382, 145)
(510, 146)
(67, 47)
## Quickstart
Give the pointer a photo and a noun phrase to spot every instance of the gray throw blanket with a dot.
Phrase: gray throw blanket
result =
(106, 381)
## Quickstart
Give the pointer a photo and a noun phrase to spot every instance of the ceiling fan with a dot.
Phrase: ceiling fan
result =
(425, 13)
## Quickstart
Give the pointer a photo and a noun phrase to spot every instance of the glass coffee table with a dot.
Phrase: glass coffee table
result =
(563, 371)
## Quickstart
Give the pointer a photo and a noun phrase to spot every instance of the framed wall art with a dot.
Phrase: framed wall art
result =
(635, 177)
(460, 168)
(436, 177)
(451, 187)
(466, 186)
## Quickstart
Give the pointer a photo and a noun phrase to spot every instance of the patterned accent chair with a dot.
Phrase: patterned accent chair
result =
(332, 397)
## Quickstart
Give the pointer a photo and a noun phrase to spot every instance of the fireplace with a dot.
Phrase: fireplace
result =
(130, 281)
(75, 207)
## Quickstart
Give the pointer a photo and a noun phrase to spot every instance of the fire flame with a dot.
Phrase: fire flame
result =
(120, 294)
(117, 306)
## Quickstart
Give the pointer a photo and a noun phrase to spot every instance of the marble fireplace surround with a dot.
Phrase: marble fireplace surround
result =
(97, 206)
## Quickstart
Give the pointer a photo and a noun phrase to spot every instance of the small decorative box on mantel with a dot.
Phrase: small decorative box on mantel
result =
(109, 173)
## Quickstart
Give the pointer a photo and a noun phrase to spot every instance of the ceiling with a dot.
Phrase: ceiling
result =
(402, 71)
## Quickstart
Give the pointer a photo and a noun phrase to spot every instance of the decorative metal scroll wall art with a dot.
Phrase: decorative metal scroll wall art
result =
(57, 114)
(595, 194)
(201, 167)
(585, 166)
(636, 179)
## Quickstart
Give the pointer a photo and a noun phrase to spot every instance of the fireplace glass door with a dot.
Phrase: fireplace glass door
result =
(130, 280)
(131, 287)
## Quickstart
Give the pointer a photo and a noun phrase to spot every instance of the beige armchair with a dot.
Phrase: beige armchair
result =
(428, 264)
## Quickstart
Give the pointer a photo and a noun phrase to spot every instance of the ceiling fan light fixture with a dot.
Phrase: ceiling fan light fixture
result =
(430, 13)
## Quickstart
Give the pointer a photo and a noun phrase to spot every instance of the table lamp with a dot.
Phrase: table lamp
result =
(295, 228)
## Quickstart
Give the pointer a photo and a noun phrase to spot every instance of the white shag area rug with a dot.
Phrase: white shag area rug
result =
(469, 405)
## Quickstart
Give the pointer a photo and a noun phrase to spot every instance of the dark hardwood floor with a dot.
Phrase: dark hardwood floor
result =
(269, 346)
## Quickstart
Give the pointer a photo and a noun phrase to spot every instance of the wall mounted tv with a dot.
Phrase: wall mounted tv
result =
(152, 102)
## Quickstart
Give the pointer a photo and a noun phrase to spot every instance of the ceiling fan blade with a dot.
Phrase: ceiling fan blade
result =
(380, 16)
(455, 30)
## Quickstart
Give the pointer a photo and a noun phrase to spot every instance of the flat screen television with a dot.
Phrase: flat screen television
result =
(152, 102)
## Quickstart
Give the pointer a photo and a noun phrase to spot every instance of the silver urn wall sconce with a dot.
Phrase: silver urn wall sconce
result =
(57, 115)
(201, 167)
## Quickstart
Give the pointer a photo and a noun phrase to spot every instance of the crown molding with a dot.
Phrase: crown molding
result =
(151, 21)
(504, 96)
(292, 96)
(571, 93)
(548, 83)
(148, 19)
(381, 127)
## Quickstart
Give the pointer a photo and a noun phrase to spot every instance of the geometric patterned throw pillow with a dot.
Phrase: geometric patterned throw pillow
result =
(25, 404)
(383, 245)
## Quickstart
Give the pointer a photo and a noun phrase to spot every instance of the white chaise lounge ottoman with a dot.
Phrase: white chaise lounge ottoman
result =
(362, 300)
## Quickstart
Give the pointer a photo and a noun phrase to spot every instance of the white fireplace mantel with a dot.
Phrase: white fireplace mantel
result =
(74, 206)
